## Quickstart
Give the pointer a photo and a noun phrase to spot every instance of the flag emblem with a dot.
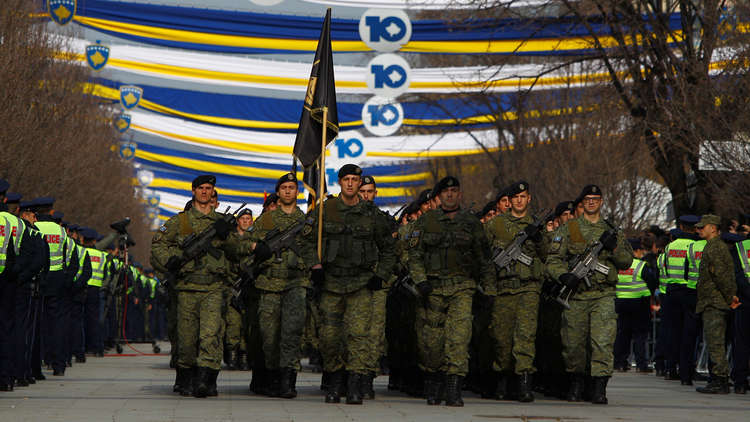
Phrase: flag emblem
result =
(97, 56)
(130, 96)
(61, 11)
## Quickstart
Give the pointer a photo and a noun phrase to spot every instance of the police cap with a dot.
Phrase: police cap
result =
(368, 180)
(688, 219)
(204, 178)
(27, 206)
(445, 182)
(12, 198)
(58, 216)
(4, 186)
(348, 169)
(289, 177)
(518, 187)
(270, 200)
(75, 227)
(564, 206)
(635, 243)
(590, 190)
(44, 202)
(89, 234)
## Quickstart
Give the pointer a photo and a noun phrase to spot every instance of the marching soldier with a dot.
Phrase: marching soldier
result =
(515, 309)
(357, 259)
(591, 321)
(448, 254)
(200, 289)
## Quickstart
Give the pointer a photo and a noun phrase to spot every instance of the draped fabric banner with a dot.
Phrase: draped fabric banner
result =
(427, 4)
(251, 33)
(227, 70)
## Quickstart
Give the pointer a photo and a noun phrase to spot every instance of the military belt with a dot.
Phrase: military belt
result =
(343, 271)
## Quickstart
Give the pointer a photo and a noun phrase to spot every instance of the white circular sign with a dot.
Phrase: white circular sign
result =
(385, 30)
(382, 116)
(388, 75)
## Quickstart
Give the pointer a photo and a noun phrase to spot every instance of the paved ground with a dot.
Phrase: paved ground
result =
(139, 388)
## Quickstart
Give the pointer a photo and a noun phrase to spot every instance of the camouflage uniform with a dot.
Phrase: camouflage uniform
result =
(716, 287)
(282, 283)
(515, 309)
(451, 254)
(200, 290)
(234, 320)
(591, 322)
(355, 247)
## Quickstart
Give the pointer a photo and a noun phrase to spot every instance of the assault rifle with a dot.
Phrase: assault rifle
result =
(514, 253)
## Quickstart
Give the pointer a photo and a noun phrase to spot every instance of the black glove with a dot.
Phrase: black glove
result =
(174, 264)
(375, 283)
(424, 288)
(317, 276)
(609, 240)
(533, 232)
(262, 252)
(224, 227)
(570, 281)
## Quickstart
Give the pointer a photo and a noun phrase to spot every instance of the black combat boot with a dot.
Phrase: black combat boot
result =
(173, 361)
(453, 384)
(232, 359)
(717, 385)
(575, 391)
(335, 386)
(525, 388)
(672, 375)
(188, 381)
(286, 388)
(432, 388)
(353, 381)
(325, 381)
(274, 382)
(501, 389)
(600, 390)
(213, 390)
(202, 382)
(242, 360)
(178, 380)
(366, 389)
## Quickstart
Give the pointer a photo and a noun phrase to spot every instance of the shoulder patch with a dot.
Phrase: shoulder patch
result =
(557, 239)
(163, 229)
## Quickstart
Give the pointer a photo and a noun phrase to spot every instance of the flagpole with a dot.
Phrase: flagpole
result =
(321, 182)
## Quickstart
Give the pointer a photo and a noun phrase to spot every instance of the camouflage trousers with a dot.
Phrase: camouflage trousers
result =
(513, 329)
(233, 335)
(714, 334)
(199, 326)
(443, 329)
(589, 324)
(344, 329)
(282, 321)
(172, 323)
(377, 330)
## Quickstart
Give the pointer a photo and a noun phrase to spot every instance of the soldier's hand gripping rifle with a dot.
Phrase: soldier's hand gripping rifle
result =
(583, 267)
(197, 245)
(503, 258)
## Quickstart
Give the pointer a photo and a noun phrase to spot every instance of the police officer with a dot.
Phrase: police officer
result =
(448, 255)
(590, 322)
(741, 345)
(92, 305)
(78, 294)
(200, 289)
(717, 294)
(356, 260)
(679, 302)
(56, 284)
(515, 309)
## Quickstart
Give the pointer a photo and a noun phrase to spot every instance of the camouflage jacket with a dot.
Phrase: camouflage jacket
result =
(451, 253)
(716, 283)
(356, 244)
(289, 268)
(519, 277)
(571, 240)
(202, 274)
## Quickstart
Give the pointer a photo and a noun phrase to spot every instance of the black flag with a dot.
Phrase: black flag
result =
(321, 92)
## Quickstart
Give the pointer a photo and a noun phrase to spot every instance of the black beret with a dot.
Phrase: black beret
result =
(518, 187)
(424, 196)
(12, 198)
(245, 211)
(590, 190)
(4, 185)
(270, 200)
(501, 194)
(487, 208)
(368, 180)
(348, 169)
(204, 178)
(564, 206)
(411, 208)
(635, 243)
(445, 182)
(289, 177)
